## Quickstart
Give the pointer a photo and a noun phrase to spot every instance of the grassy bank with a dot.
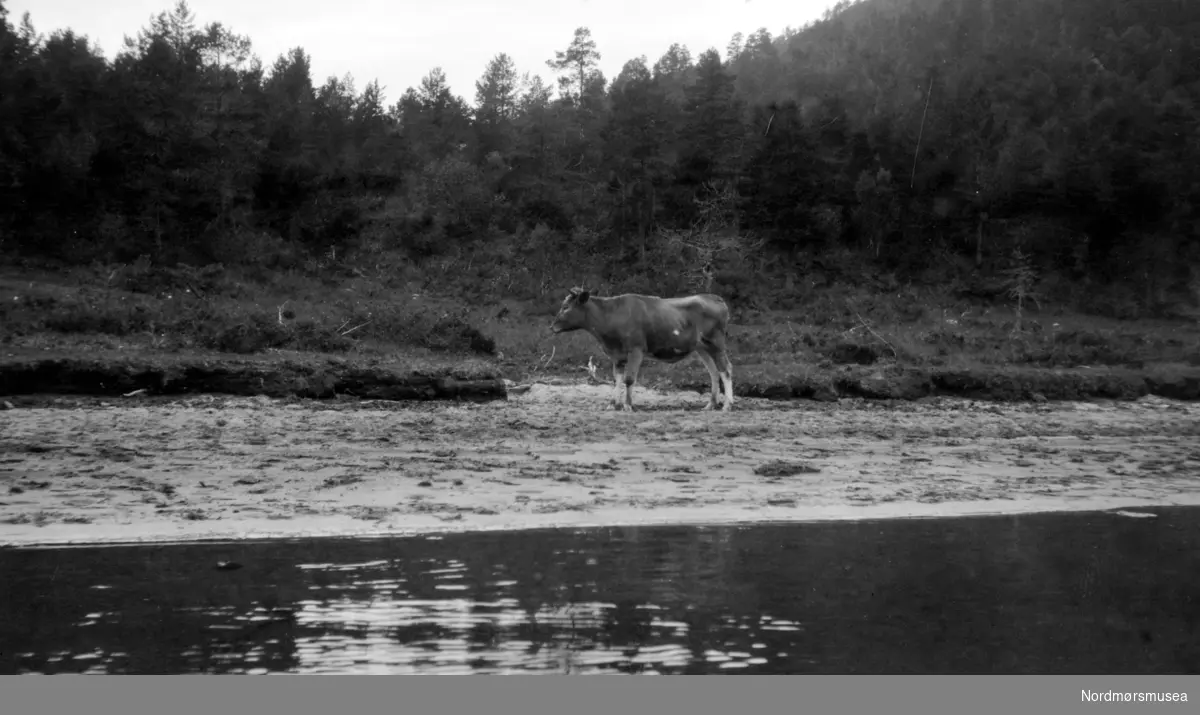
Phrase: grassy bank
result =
(194, 329)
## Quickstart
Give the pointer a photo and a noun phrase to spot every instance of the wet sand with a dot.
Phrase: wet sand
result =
(212, 467)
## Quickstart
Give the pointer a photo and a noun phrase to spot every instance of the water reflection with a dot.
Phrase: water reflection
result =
(1083, 593)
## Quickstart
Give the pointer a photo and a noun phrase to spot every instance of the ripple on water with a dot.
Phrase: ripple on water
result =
(830, 598)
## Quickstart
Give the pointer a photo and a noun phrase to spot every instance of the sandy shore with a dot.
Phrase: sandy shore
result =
(211, 467)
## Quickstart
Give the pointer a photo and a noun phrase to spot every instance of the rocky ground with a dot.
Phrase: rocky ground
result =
(106, 469)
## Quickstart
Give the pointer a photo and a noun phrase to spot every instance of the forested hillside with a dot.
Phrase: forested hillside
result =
(937, 142)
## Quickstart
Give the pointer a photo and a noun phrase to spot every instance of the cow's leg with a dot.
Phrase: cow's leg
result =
(618, 383)
(722, 360)
(715, 343)
(707, 359)
(716, 346)
(631, 376)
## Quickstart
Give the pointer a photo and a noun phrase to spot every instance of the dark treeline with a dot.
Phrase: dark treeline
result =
(921, 138)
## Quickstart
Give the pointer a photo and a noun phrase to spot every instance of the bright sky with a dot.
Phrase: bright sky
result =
(399, 41)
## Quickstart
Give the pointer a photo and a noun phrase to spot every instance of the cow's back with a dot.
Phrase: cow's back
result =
(699, 311)
(707, 309)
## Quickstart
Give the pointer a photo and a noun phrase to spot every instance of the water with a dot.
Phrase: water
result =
(1050, 593)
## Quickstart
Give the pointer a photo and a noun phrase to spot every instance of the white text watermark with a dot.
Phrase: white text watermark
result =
(1112, 696)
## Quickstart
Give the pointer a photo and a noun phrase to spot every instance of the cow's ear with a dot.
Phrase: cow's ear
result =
(583, 296)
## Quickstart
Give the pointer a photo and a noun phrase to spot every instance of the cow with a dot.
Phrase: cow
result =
(632, 327)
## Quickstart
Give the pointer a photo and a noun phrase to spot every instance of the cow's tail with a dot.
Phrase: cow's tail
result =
(724, 306)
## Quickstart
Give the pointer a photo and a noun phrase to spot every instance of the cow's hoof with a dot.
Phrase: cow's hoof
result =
(727, 407)
(627, 408)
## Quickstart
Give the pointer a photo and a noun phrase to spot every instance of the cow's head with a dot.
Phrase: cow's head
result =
(571, 316)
